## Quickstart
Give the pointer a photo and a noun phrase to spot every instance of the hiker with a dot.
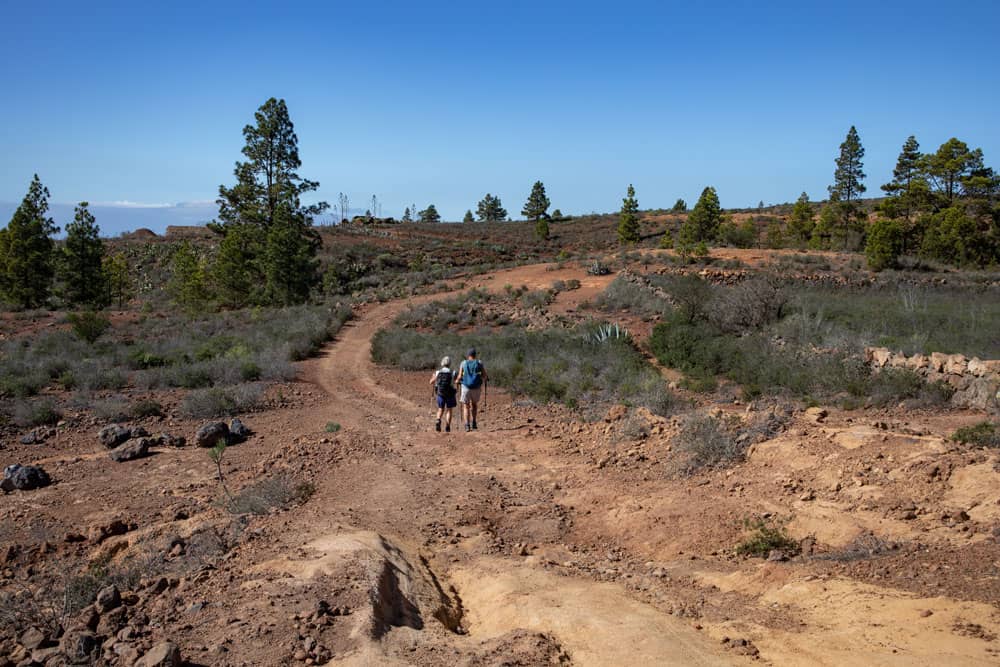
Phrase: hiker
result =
(472, 378)
(443, 383)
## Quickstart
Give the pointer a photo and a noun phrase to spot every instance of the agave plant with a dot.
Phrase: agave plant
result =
(609, 332)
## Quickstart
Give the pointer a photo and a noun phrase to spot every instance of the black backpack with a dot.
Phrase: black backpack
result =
(444, 386)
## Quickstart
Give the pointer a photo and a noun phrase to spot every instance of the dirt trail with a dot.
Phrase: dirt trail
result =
(597, 623)
(517, 479)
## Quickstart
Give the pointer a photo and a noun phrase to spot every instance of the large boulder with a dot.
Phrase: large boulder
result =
(108, 598)
(80, 647)
(238, 431)
(24, 478)
(113, 435)
(164, 654)
(133, 449)
(210, 434)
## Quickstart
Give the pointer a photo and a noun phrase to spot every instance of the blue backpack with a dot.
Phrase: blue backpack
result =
(472, 373)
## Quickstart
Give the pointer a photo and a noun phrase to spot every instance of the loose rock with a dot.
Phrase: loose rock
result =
(129, 451)
(238, 431)
(164, 654)
(108, 598)
(210, 434)
(113, 435)
(24, 478)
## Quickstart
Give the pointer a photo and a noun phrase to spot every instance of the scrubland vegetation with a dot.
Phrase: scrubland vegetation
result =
(587, 365)
(220, 356)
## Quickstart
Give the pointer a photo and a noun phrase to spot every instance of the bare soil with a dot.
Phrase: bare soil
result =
(540, 539)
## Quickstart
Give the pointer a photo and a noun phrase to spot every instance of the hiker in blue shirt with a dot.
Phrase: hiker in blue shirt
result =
(472, 379)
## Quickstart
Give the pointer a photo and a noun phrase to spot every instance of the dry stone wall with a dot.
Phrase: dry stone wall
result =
(976, 382)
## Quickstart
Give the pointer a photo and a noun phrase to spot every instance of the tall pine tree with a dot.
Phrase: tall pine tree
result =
(705, 217)
(847, 178)
(429, 214)
(800, 222)
(628, 220)
(27, 264)
(909, 168)
(273, 233)
(81, 261)
(468, 217)
(951, 166)
(538, 203)
(489, 209)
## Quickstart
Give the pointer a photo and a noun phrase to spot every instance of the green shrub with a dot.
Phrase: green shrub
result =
(36, 413)
(551, 365)
(983, 434)
(88, 326)
(146, 408)
(268, 494)
(332, 427)
(706, 442)
(765, 536)
(884, 244)
(222, 401)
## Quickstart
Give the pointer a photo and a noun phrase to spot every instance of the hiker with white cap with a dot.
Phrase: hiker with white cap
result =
(443, 383)
(472, 378)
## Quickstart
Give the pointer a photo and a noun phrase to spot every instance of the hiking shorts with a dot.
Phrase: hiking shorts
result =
(470, 394)
(446, 401)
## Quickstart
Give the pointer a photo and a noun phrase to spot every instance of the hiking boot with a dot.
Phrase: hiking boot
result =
(447, 429)
(437, 426)
(468, 428)
(475, 427)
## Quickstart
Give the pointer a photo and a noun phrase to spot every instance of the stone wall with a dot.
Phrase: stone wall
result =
(976, 382)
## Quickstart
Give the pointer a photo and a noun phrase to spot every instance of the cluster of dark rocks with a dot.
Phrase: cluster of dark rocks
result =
(128, 443)
(112, 630)
(212, 433)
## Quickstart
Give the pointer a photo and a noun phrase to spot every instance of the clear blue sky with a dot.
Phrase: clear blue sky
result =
(442, 102)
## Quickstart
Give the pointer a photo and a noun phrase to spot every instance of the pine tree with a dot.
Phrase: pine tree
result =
(262, 208)
(290, 264)
(848, 176)
(117, 279)
(237, 274)
(537, 205)
(951, 166)
(407, 215)
(909, 167)
(429, 214)
(680, 206)
(800, 223)
(542, 228)
(628, 222)
(706, 215)
(81, 261)
(884, 244)
(489, 209)
(26, 250)
(468, 217)
(188, 284)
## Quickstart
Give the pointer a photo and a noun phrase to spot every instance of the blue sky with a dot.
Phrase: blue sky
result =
(134, 103)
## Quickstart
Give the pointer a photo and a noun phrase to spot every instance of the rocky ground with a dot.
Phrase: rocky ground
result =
(540, 539)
